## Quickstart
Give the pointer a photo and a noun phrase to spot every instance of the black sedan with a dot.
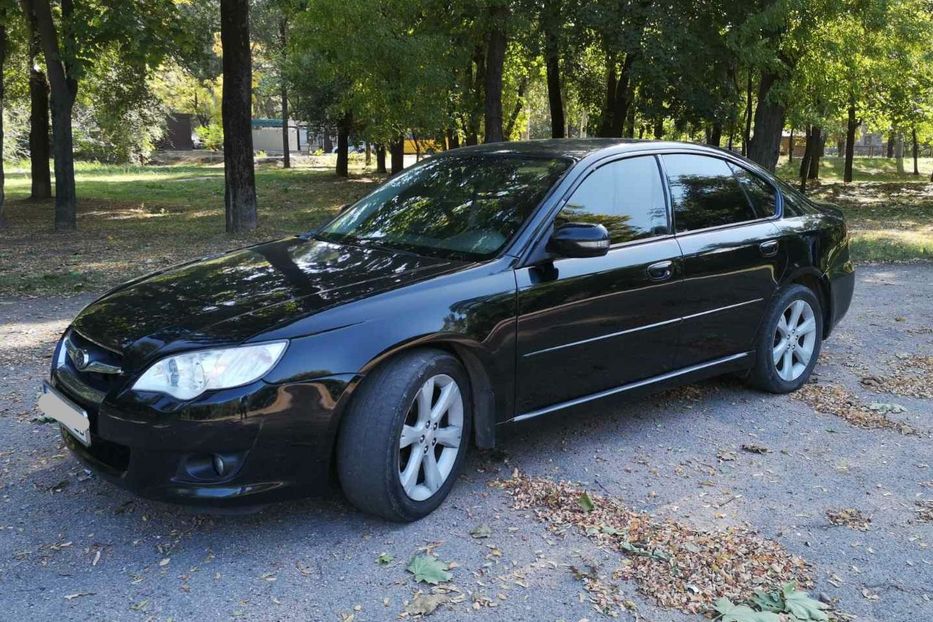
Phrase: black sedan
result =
(482, 287)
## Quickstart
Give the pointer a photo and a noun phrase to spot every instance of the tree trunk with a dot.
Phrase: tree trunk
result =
(453, 139)
(343, 145)
(236, 110)
(746, 135)
(286, 153)
(517, 109)
(764, 147)
(495, 59)
(39, 147)
(715, 135)
(916, 150)
(630, 118)
(623, 98)
(328, 143)
(3, 18)
(369, 154)
(790, 146)
(851, 127)
(555, 98)
(658, 129)
(64, 89)
(606, 123)
(890, 152)
(398, 154)
(816, 135)
(899, 153)
(380, 159)
(804, 168)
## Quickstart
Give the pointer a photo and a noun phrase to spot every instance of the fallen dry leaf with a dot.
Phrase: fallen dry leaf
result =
(849, 517)
(425, 604)
(833, 399)
(676, 565)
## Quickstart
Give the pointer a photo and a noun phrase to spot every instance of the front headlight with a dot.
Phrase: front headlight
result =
(188, 375)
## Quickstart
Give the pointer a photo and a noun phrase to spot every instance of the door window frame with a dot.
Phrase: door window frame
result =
(778, 195)
(592, 168)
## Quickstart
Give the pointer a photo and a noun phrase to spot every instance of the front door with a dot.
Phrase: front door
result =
(586, 325)
(733, 259)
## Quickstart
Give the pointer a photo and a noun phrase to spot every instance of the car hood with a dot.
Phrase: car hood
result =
(229, 298)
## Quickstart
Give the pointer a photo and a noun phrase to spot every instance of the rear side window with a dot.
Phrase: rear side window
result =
(705, 193)
(625, 196)
(760, 193)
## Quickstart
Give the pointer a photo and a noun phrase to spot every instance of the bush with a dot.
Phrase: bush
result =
(117, 118)
(212, 136)
(15, 132)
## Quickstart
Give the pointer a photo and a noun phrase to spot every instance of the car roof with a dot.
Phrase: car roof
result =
(574, 148)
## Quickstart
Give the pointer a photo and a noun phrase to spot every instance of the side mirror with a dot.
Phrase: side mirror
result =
(579, 239)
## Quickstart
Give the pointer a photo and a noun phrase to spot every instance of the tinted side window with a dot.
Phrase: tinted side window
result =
(626, 197)
(760, 193)
(704, 192)
(794, 205)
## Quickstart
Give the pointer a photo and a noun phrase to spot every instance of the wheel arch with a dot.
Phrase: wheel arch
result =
(815, 281)
(483, 391)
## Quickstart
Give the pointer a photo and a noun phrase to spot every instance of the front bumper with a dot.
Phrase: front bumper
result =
(276, 441)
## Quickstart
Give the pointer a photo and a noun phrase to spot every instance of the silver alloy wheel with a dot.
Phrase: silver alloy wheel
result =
(430, 439)
(794, 340)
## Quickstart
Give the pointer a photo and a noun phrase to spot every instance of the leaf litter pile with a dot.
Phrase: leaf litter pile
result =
(912, 376)
(677, 566)
(834, 399)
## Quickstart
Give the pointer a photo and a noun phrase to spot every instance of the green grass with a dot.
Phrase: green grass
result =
(890, 215)
(133, 220)
(863, 169)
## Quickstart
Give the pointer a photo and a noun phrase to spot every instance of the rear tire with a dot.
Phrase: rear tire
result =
(405, 435)
(789, 341)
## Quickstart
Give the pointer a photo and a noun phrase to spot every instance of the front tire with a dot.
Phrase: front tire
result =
(789, 341)
(405, 435)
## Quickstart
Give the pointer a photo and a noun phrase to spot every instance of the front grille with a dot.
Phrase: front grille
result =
(102, 382)
(86, 388)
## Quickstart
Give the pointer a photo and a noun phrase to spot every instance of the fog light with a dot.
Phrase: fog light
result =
(219, 465)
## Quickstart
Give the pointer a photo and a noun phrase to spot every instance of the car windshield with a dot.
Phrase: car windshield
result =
(464, 207)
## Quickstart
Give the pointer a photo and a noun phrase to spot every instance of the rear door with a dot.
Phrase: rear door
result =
(732, 256)
(590, 324)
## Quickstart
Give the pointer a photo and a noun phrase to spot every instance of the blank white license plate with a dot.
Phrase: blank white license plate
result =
(73, 418)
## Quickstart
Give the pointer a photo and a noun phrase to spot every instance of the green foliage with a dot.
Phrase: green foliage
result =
(729, 612)
(117, 118)
(383, 63)
(15, 131)
(429, 569)
(766, 607)
(385, 559)
(212, 135)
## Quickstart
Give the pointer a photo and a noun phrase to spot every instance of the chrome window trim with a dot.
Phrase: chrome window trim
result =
(626, 387)
(779, 197)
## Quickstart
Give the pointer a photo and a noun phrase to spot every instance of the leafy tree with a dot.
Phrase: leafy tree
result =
(397, 82)
(72, 37)
(6, 10)
(39, 147)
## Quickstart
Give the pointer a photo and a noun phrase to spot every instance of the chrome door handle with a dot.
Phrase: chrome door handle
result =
(769, 248)
(660, 271)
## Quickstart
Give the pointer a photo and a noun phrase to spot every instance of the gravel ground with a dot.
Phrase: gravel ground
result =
(73, 547)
